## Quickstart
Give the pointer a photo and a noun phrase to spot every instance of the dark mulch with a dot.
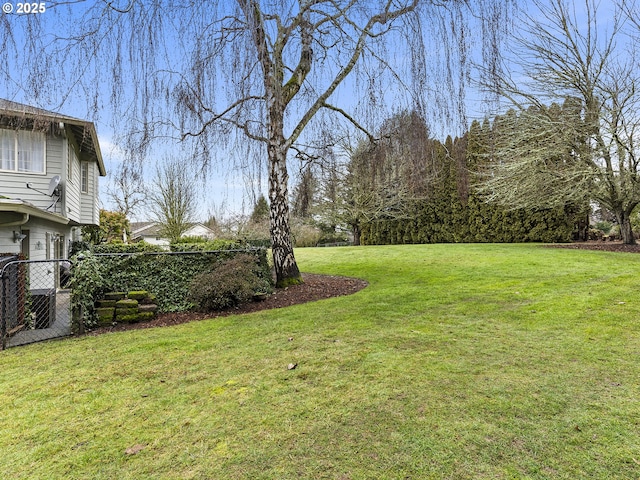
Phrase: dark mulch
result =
(603, 246)
(315, 287)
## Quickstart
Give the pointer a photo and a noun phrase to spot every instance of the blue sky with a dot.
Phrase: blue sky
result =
(225, 190)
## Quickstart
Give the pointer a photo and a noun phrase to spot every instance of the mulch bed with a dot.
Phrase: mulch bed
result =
(603, 246)
(315, 287)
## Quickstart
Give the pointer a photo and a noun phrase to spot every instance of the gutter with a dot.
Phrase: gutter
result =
(27, 211)
(25, 219)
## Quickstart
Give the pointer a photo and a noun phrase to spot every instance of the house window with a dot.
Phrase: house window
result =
(7, 150)
(84, 177)
(22, 151)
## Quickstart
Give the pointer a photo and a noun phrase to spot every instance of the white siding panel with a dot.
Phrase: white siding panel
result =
(7, 244)
(14, 184)
(89, 201)
(72, 188)
(78, 207)
(38, 230)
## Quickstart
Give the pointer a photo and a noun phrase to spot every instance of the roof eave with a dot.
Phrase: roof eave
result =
(19, 206)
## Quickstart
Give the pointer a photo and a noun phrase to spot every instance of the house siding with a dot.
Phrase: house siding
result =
(89, 211)
(67, 143)
(7, 245)
(80, 208)
(38, 230)
(72, 185)
(14, 184)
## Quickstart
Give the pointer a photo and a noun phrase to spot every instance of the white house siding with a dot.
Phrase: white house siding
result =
(72, 186)
(153, 240)
(199, 231)
(13, 184)
(41, 232)
(89, 213)
(7, 245)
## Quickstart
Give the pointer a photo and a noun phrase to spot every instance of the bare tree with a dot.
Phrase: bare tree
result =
(173, 199)
(385, 178)
(572, 136)
(268, 72)
(127, 190)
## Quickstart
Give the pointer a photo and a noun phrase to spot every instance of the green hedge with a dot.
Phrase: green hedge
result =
(139, 247)
(209, 246)
(166, 275)
(475, 222)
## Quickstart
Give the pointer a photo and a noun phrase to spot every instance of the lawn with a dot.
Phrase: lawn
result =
(458, 362)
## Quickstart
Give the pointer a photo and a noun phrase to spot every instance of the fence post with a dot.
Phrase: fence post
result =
(76, 320)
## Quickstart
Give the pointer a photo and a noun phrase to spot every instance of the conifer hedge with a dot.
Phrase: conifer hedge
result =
(452, 209)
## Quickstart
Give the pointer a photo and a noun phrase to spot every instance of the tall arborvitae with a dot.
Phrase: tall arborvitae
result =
(452, 209)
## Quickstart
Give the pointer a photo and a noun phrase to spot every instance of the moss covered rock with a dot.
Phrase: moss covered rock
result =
(124, 312)
(105, 315)
(106, 303)
(127, 303)
(138, 294)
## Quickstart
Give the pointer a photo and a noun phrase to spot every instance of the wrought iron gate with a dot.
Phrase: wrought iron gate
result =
(35, 301)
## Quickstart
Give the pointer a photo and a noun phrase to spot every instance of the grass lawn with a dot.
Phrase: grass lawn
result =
(458, 362)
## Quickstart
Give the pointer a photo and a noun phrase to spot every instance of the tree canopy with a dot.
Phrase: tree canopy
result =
(572, 133)
(272, 80)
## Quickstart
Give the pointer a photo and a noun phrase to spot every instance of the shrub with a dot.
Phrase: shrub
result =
(193, 239)
(87, 284)
(305, 235)
(230, 283)
(604, 226)
(208, 246)
(139, 247)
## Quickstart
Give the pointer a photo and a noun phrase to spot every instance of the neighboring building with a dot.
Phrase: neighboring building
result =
(150, 233)
(49, 169)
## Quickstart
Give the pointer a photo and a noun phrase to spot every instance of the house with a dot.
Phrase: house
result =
(150, 233)
(49, 169)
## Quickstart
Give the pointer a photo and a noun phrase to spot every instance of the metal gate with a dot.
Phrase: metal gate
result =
(35, 301)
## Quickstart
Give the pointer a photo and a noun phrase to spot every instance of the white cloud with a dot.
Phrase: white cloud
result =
(112, 153)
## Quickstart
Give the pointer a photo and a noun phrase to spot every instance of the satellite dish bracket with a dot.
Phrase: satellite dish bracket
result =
(54, 190)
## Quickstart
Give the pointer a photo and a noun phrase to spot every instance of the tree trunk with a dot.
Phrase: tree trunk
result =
(287, 272)
(626, 231)
(355, 228)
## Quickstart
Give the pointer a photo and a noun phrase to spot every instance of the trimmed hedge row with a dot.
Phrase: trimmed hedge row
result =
(475, 222)
(167, 275)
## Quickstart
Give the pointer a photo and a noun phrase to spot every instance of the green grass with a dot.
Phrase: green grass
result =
(458, 361)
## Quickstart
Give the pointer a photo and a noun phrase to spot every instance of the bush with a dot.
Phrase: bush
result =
(87, 284)
(139, 247)
(604, 226)
(230, 283)
(208, 246)
(305, 235)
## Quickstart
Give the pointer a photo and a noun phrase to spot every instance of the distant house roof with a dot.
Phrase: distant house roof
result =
(153, 229)
(16, 115)
(144, 229)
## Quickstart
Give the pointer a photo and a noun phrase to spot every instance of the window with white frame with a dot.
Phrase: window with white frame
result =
(7, 150)
(84, 177)
(22, 151)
